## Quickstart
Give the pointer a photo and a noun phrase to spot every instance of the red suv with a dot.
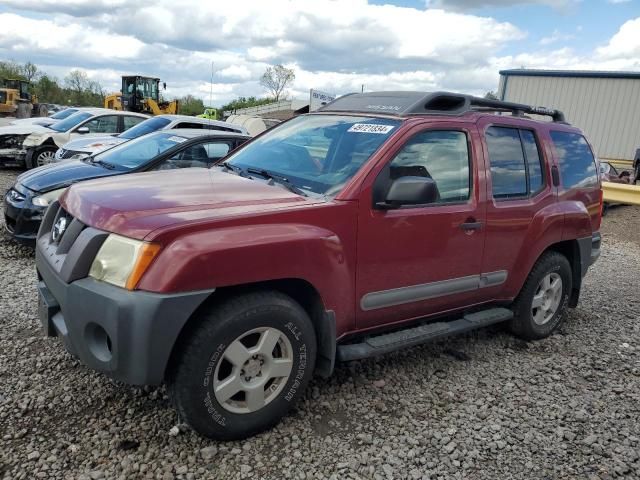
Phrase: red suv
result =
(383, 221)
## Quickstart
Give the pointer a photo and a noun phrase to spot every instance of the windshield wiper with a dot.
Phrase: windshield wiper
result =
(102, 163)
(233, 168)
(278, 179)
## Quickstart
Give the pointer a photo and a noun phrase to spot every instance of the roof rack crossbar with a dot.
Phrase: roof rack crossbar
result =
(438, 103)
(516, 108)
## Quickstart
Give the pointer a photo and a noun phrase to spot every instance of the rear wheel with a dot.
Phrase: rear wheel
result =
(43, 156)
(542, 302)
(243, 366)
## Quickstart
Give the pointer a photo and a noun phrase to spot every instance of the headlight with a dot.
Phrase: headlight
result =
(122, 261)
(46, 198)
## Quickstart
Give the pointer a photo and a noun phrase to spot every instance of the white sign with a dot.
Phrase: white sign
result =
(370, 128)
(318, 99)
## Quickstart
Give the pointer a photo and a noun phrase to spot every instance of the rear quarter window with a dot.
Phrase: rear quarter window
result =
(576, 161)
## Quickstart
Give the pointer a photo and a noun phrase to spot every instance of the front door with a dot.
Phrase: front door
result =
(423, 259)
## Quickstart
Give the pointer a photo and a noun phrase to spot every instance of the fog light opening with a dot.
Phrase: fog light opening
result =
(99, 342)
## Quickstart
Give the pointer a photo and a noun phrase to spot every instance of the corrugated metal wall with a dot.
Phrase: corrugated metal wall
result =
(606, 109)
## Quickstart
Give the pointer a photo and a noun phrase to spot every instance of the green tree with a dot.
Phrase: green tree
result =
(276, 79)
(190, 105)
(245, 102)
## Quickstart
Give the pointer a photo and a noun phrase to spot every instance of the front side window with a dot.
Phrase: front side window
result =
(131, 121)
(200, 155)
(105, 124)
(576, 162)
(440, 155)
(148, 126)
(316, 153)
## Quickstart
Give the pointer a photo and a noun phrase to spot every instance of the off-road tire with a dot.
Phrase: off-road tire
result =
(523, 324)
(201, 350)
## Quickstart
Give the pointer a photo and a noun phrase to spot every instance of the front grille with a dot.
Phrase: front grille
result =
(66, 154)
(72, 249)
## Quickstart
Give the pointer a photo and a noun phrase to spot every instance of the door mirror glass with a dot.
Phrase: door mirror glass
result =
(410, 191)
(82, 130)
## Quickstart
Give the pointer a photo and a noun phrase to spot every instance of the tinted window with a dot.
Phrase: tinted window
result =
(105, 124)
(148, 126)
(536, 179)
(508, 171)
(577, 165)
(129, 122)
(440, 155)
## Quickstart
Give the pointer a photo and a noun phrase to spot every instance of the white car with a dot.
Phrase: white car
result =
(84, 147)
(44, 121)
(40, 147)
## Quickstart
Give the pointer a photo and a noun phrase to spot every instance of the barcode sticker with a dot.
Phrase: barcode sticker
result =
(370, 128)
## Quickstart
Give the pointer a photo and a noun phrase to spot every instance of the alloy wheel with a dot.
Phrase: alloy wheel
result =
(254, 369)
(547, 298)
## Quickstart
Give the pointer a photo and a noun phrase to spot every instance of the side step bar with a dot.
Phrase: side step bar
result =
(389, 342)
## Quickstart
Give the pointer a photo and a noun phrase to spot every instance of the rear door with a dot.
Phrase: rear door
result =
(418, 260)
(518, 187)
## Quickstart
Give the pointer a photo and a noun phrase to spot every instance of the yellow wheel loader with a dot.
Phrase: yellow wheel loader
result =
(142, 95)
(15, 100)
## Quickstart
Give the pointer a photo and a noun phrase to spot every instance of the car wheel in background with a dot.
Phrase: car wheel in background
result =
(540, 307)
(239, 370)
(42, 156)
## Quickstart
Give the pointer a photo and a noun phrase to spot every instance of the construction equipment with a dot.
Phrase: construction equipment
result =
(210, 113)
(15, 99)
(140, 94)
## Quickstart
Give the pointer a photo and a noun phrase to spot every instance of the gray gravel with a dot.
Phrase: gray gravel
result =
(482, 406)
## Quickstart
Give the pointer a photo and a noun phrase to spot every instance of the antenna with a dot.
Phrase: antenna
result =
(210, 94)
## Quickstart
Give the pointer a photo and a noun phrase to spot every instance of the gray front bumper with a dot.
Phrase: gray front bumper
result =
(128, 335)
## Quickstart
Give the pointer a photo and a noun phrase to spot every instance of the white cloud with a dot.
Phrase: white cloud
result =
(335, 45)
(556, 37)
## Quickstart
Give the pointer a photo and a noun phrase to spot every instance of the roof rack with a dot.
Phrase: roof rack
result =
(431, 103)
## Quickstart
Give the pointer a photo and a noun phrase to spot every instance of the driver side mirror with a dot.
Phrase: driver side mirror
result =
(82, 130)
(406, 191)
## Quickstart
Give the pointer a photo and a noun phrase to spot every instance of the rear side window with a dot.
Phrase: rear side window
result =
(577, 165)
(516, 168)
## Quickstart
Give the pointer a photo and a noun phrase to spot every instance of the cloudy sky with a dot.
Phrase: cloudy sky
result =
(333, 45)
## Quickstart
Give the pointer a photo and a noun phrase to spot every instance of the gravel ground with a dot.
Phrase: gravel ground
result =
(482, 406)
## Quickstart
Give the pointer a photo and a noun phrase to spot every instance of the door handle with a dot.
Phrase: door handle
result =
(471, 226)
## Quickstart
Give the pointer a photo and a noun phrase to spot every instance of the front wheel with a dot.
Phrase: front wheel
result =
(242, 367)
(42, 156)
(542, 302)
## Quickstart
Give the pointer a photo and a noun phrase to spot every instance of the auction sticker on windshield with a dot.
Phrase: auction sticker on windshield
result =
(370, 128)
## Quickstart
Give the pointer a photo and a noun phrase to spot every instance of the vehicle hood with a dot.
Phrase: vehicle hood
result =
(93, 144)
(22, 129)
(59, 175)
(34, 121)
(138, 204)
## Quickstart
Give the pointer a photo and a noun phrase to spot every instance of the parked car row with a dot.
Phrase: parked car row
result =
(382, 221)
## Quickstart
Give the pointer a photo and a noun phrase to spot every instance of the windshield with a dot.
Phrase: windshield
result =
(62, 114)
(145, 127)
(316, 153)
(139, 151)
(70, 122)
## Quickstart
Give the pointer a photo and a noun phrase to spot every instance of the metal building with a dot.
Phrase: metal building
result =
(605, 105)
